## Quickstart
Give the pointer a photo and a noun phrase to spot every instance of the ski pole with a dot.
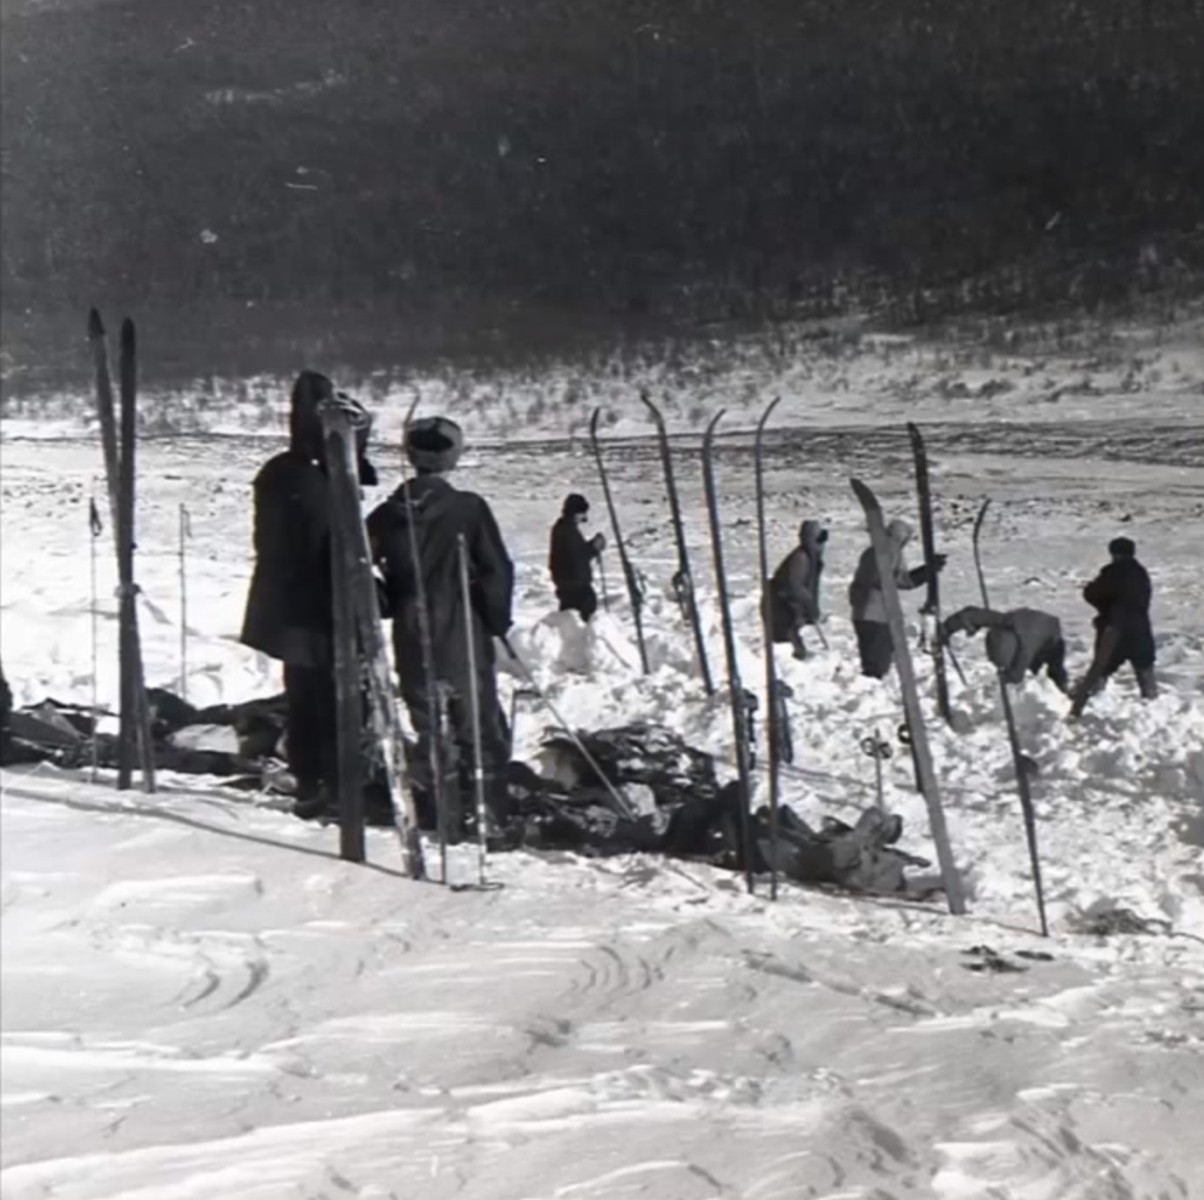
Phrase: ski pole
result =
(602, 581)
(95, 529)
(474, 698)
(185, 533)
(819, 629)
(546, 701)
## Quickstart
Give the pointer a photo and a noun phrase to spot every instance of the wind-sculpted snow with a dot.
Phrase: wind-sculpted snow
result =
(199, 1000)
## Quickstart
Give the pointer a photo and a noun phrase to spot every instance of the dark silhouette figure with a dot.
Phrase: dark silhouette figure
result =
(571, 558)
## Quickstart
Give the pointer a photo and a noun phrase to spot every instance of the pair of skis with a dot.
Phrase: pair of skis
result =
(120, 447)
(683, 579)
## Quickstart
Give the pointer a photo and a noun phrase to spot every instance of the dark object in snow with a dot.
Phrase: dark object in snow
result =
(640, 753)
(987, 959)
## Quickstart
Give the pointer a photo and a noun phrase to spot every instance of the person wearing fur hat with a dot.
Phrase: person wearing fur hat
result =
(1120, 594)
(427, 512)
(571, 558)
(289, 614)
(1019, 642)
(869, 608)
(792, 598)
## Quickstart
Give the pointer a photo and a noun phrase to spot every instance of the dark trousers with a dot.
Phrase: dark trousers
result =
(579, 597)
(1054, 662)
(311, 727)
(875, 647)
(1111, 653)
(442, 720)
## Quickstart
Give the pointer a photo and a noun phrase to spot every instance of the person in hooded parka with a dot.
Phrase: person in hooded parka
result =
(289, 614)
(792, 597)
(868, 605)
(435, 513)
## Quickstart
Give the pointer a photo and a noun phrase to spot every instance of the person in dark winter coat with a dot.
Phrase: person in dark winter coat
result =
(868, 605)
(1120, 594)
(571, 558)
(428, 511)
(792, 597)
(289, 614)
(1019, 642)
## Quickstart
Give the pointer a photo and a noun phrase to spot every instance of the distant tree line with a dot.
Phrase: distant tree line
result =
(539, 169)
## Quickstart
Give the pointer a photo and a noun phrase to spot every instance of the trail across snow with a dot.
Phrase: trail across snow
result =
(200, 1000)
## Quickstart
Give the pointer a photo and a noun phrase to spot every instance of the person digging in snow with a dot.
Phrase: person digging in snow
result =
(1019, 642)
(792, 598)
(290, 614)
(571, 558)
(869, 608)
(1120, 594)
(439, 513)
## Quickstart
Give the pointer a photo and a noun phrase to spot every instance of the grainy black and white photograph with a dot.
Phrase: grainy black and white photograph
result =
(601, 599)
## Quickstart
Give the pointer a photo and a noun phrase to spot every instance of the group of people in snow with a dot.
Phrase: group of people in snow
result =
(1019, 642)
(289, 612)
(414, 537)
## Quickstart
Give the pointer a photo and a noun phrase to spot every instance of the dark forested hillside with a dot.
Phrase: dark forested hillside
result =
(392, 177)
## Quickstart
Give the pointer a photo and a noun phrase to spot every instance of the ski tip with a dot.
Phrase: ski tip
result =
(766, 414)
(593, 421)
(863, 493)
(129, 335)
(96, 328)
(711, 426)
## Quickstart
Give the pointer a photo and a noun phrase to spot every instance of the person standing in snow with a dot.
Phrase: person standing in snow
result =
(792, 598)
(571, 558)
(869, 608)
(428, 511)
(290, 614)
(1120, 594)
(1019, 642)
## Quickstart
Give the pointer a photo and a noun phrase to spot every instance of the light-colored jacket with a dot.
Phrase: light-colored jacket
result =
(865, 592)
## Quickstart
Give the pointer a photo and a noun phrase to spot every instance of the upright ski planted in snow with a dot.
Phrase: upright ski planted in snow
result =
(135, 735)
(362, 638)
(739, 705)
(911, 698)
(932, 603)
(683, 581)
(634, 590)
(774, 703)
(1019, 764)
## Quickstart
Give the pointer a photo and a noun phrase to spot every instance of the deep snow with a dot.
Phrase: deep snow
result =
(200, 1000)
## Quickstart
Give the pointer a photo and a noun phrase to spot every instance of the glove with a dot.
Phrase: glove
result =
(939, 560)
(598, 541)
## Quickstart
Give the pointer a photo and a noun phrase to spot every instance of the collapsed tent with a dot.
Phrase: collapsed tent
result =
(671, 800)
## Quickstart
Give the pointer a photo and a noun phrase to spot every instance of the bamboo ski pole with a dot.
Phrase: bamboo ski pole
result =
(185, 534)
(474, 699)
(95, 529)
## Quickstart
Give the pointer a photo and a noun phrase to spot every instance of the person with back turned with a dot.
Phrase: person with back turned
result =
(1120, 594)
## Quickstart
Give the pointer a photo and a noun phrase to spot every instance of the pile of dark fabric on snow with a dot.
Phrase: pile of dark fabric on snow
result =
(691, 815)
(673, 803)
(235, 741)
